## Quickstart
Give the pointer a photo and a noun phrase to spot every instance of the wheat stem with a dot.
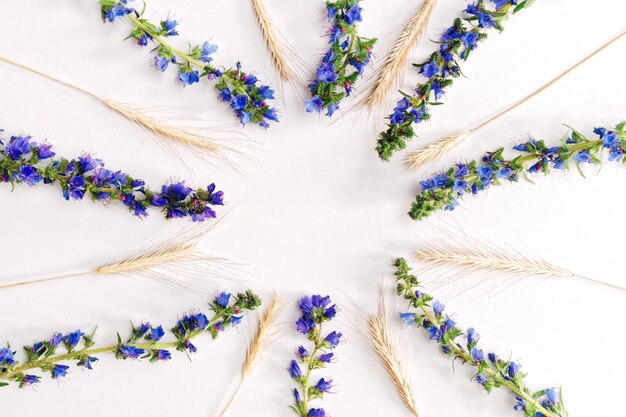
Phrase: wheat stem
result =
(271, 40)
(439, 148)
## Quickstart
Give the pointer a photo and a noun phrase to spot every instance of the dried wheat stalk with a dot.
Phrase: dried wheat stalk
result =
(272, 40)
(396, 60)
(386, 352)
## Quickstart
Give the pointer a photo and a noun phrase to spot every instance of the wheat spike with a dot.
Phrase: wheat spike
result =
(384, 347)
(161, 129)
(396, 60)
(260, 342)
(436, 150)
(177, 256)
(272, 41)
(136, 116)
(461, 255)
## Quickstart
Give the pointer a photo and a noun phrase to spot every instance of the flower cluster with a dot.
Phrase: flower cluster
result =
(443, 190)
(345, 60)
(23, 161)
(316, 310)
(455, 45)
(491, 370)
(144, 342)
(245, 95)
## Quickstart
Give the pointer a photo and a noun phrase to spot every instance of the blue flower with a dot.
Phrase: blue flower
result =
(223, 299)
(17, 147)
(130, 352)
(169, 26)
(332, 107)
(501, 3)
(461, 170)
(71, 340)
(157, 333)
(472, 336)
(6, 356)
(244, 117)
(470, 39)
(485, 173)
(504, 173)
(513, 369)
(610, 139)
(481, 379)
(85, 362)
(324, 385)
(397, 117)
(450, 34)
(333, 339)
(477, 354)
(326, 357)
(116, 11)
(236, 320)
(189, 346)
(296, 396)
(440, 180)
(353, 14)
(485, 20)
(206, 50)
(30, 380)
(316, 412)
(314, 105)
(29, 175)
(438, 307)
(45, 151)
(294, 369)
(304, 325)
(163, 355)
(225, 95)
(59, 371)
(332, 11)
(302, 352)
(266, 92)
(436, 90)
(271, 115)
(161, 63)
(188, 77)
(430, 69)
(239, 102)
(326, 74)
(552, 396)
(583, 156)
(408, 318)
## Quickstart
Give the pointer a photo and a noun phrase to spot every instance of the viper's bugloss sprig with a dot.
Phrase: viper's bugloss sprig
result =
(491, 370)
(442, 191)
(456, 45)
(247, 99)
(23, 161)
(345, 60)
(145, 342)
(316, 310)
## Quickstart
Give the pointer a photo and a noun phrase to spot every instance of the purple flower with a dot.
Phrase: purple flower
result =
(316, 412)
(353, 14)
(333, 339)
(314, 105)
(6, 356)
(161, 63)
(17, 147)
(29, 175)
(408, 318)
(59, 371)
(324, 385)
(30, 380)
(438, 307)
(513, 369)
(326, 357)
(304, 325)
(156, 333)
(71, 340)
(397, 117)
(477, 354)
(163, 355)
(86, 362)
(294, 369)
(302, 352)
(326, 74)
(223, 299)
(45, 151)
(430, 69)
(129, 352)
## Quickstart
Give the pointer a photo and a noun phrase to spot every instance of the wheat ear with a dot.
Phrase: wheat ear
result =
(384, 347)
(176, 256)
(439, 148)
(260, 342)
(462, 254)
(396, 60)
(271, 40)
(153, 125)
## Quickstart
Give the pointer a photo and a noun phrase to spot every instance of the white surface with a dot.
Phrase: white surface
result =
(317, 213)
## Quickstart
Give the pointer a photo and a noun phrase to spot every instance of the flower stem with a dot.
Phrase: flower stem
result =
(496, 375)
(89, 352)
(305, 386)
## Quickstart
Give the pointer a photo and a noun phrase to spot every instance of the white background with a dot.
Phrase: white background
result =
(314, 212)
